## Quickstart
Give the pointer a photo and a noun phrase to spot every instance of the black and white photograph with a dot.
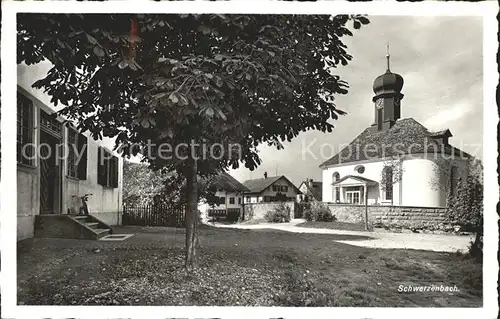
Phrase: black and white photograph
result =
(236, 161)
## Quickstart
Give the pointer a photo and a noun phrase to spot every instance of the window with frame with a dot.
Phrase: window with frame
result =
(353, 197)
(24, 130)
(388, 183)
(276, 188)
(239, 200)
(50, 123)
(231, 200)
(284, 189)
(107, 168)
(222, 200)
(248, 199)
(77, 155)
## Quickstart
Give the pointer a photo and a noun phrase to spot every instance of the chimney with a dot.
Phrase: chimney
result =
(310, 183)
(265, 174)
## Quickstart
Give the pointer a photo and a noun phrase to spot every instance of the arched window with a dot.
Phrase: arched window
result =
(336, 194)
(335, 177)
(388, 183)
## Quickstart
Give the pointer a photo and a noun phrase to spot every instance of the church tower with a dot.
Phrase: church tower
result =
(387, 88)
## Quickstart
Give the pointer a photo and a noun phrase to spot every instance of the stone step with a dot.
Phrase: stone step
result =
(92, 225)
(101, 232)
(80, 217)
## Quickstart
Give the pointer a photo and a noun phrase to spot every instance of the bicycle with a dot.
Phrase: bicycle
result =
(84, 209)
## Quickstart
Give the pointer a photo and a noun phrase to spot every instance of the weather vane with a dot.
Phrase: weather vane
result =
(388, 56)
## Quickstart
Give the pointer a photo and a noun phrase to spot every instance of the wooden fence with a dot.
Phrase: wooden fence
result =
(154, 215)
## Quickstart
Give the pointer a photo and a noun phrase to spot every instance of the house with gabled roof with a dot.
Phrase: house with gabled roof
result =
(229, 197)
(270, 189)
(394, 161)
(311, 191)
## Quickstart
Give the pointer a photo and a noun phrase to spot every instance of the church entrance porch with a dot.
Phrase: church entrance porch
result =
(353, 189)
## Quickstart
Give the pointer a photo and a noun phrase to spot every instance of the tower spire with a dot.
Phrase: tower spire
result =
(388, 56)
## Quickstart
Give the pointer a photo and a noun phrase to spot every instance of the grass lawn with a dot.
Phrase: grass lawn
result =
(333, 225)
(239, 267)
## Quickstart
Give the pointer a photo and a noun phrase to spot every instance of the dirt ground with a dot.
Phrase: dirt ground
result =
(263, 267)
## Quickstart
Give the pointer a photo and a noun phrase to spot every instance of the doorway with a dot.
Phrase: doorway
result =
(50, 174)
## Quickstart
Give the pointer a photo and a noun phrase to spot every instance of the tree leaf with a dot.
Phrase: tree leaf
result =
(205, 29)
(209, 111)
(173, 98)
(221, 114)
(145, 123)
(91, 39)
(99, 51)
(123, 64)
(363, 20)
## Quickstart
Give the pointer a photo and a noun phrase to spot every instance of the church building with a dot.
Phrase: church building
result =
(395, 161)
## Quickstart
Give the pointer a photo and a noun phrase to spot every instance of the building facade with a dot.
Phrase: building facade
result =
(394, 161)
(56, 165)
(311, 191)
(229, 194)
(270, 189)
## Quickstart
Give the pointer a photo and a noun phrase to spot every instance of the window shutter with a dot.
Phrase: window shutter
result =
(82, 164)
(114, 171)
(101, 167)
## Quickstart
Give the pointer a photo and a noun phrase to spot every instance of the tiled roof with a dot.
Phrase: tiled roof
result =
(316, 190)
(260, 184)
(226, 182)
(407, 136)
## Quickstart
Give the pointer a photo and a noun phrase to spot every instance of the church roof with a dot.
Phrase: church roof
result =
(407, 136)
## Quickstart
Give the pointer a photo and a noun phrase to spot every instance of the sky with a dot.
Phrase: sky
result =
(440, 59)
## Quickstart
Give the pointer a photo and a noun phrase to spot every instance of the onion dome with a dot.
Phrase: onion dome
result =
(388, 82)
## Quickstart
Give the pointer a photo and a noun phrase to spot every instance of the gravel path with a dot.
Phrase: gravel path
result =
(431, 242)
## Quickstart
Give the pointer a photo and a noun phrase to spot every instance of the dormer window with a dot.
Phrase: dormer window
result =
(441, 137)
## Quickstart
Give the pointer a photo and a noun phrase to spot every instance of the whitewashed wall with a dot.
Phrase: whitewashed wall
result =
(421, 184)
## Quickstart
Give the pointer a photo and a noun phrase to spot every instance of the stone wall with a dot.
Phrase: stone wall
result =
(348, 213)
(109, 218)
(258, 211)
(405, 216)
(400, 216)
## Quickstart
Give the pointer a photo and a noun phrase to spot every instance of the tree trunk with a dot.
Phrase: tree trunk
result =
(191, 214)
(477, 250)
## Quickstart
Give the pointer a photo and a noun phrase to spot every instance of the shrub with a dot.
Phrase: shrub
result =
(308, 215)
(466, 208)
(318, 212)
(280, 214)
(324, 214)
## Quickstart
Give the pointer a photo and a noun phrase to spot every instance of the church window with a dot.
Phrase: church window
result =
(388, 183)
